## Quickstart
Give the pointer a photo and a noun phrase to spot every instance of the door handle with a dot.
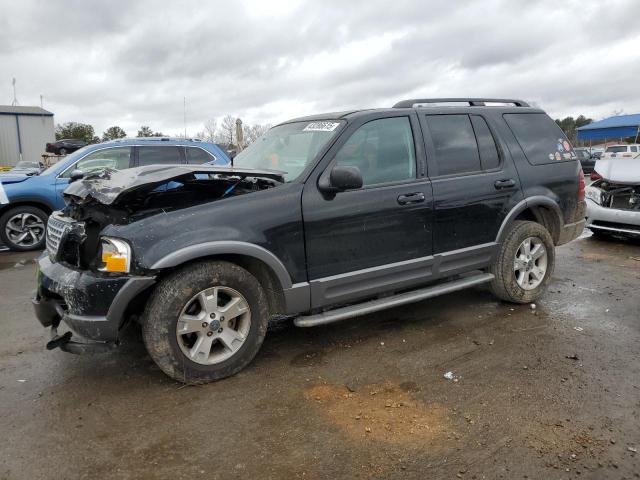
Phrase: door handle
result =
(410, 198)
(508, 183)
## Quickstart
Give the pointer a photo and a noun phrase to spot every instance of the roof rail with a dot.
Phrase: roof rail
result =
(472, 102)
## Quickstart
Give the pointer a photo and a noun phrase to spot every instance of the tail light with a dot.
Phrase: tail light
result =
(581, 185)
(595, 176)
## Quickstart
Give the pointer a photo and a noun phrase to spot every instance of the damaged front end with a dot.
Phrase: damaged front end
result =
(613, 202)
(89, 281)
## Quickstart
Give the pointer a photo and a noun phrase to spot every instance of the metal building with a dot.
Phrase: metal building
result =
(24, 132)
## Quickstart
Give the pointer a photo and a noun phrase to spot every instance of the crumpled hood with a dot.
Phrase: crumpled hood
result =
(619, 170)
(107, 186)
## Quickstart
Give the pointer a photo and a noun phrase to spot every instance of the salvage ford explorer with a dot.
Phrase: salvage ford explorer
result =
(322, 219)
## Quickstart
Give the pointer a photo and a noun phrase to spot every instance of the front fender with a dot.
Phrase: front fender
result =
(225, 247)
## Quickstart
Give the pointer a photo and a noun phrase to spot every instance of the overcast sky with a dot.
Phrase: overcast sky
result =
(130, 63)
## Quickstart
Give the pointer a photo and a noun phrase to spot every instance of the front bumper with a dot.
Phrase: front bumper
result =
(91, 305)
(612, 219)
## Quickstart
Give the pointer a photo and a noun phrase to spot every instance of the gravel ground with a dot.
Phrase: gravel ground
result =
(546, 392)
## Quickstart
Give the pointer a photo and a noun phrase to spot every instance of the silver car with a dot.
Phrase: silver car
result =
(613, 202)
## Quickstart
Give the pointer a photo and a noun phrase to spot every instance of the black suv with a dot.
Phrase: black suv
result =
(324, 218)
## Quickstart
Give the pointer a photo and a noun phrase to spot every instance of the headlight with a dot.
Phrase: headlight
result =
(115, 254)
(594, 194)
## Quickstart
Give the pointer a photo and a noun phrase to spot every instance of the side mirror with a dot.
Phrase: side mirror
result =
(341, 178)
(76, 175)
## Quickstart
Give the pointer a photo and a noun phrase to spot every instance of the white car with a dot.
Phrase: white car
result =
(613, 202)
(622, 151)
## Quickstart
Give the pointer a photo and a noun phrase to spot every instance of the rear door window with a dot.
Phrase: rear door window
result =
(155, 155)
(540, 138)
(634, 149)
(489, 157)
(197, 156)
(456, 150)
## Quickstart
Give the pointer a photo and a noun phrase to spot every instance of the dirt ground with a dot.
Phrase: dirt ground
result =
(551, 392)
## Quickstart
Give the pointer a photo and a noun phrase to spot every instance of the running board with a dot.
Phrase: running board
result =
(413, 296)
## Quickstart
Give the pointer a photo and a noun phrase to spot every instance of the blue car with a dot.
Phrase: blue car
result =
(27, 200)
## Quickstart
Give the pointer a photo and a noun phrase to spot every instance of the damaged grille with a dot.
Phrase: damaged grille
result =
(56, 229)
(64, 237)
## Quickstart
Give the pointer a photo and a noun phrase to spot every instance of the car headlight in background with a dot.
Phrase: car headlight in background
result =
(594, 194)
(115, 254)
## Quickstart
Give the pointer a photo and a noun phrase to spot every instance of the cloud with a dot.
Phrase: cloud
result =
(132, 63)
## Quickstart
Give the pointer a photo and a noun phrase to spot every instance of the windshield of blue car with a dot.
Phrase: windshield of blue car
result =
(289, 147)
(68, 160)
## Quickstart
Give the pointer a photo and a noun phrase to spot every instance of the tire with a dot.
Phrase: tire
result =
(62, 151)
(505, 284)
(179, 296)
(12, 228)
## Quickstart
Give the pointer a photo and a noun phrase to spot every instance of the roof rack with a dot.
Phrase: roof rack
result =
(472, 102)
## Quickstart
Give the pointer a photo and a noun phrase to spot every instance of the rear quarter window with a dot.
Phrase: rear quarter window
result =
(540, 138)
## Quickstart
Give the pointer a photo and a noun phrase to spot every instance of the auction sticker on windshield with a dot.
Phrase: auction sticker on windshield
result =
(321, 127)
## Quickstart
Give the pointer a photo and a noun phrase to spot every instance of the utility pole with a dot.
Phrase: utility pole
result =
(15, 99)
(184, 110)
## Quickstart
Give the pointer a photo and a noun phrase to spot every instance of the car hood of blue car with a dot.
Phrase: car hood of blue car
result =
(7, 178)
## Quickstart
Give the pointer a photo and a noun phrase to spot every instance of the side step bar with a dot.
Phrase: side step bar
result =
(413, 296)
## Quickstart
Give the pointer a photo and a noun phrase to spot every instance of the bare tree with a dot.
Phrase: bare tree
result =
(226, 135)
(253, 132)
(210, 129)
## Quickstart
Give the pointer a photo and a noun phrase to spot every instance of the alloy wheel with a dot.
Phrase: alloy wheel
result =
(25, 229)
(213, 325)
(530, 263)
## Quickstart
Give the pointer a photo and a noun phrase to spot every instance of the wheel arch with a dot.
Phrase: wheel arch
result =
(264, 265)
(46, 208)
(539, 209)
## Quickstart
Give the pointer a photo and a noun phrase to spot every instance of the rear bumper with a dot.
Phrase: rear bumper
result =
(92, 306)
(612, 220)
(571, 231)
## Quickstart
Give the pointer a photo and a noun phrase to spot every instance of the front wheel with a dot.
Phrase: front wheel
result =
(205, 322)
(525, 263)
(23, 228)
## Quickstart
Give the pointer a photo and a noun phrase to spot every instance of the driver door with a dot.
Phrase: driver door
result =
(379, 237)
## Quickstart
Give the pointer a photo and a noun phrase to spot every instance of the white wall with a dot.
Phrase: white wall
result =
(8, 140)
(35, 132)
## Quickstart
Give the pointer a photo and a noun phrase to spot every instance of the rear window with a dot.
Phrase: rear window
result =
(541, 139)
(197, 156)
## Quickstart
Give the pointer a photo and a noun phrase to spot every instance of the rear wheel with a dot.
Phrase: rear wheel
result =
(23, 228)
(62, 151)
(205, 322)
(524, 264)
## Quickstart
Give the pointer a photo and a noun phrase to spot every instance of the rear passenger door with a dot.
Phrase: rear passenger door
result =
(474, 183)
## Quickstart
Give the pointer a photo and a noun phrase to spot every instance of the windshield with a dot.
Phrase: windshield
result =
(289, 147)
(68, 160)
(617, 149)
